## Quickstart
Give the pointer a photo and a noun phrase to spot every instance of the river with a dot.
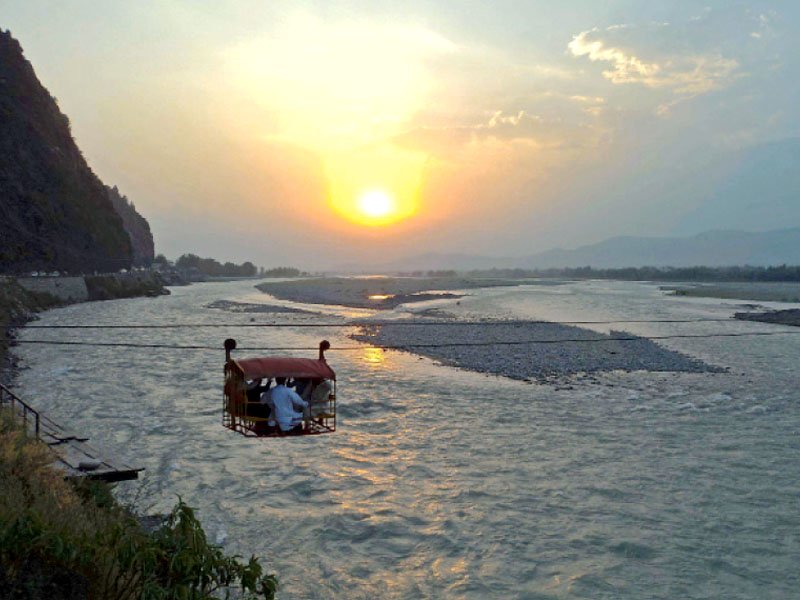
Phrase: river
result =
(444, 483)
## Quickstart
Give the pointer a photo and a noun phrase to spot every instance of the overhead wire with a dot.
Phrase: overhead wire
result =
(401, 323)
(371, 324)
(410, 346)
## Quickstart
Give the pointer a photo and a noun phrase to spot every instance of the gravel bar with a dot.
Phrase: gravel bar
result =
(543, 362)
(249, 307)
(383, 293)
(778, 317)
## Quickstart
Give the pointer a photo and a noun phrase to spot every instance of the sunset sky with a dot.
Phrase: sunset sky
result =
(325, 133)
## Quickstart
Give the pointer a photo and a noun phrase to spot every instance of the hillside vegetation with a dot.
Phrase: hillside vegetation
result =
(55, 213)
(71, 540)
(136, 226)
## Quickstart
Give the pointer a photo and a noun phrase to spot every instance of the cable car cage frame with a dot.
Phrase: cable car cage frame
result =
(246, 416)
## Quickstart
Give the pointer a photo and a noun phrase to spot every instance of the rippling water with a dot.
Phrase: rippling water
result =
(443, 483)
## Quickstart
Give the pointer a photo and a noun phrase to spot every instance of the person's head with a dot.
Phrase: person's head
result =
(280, 381)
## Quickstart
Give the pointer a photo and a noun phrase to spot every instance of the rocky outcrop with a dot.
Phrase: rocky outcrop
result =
(137, 227)
(55, 213)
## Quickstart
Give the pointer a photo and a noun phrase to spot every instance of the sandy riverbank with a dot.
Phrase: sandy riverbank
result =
(755, 291)
(382, 292)
(543, 362)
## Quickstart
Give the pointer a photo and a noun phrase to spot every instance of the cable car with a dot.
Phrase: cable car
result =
(246, 414)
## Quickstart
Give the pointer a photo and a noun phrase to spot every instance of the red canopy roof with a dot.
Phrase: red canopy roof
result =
(305, 368)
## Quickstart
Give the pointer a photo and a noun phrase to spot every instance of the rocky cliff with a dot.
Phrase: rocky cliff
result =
(136, 226)
(55, 213)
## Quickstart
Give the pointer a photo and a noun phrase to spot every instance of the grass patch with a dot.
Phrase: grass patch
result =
(64, 540)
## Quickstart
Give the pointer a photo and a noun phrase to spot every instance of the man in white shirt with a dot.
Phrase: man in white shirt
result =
(268, 409)
(284, 401)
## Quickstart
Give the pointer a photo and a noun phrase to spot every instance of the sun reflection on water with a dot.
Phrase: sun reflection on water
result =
(374, 356)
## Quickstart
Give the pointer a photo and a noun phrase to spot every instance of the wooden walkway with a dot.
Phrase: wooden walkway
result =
(73, 454)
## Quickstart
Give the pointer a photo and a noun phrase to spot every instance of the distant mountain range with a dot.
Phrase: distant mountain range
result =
(712, 249)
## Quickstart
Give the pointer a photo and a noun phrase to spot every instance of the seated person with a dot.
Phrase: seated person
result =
(255, 389)
(267, 409)
(319, 398)
(256, 408)
(302, 387)
(284, 402)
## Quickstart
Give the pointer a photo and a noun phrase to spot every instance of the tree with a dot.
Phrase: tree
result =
(188, 261)
(249, 269)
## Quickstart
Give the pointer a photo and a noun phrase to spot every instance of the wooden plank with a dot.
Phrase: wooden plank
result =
(71, 450)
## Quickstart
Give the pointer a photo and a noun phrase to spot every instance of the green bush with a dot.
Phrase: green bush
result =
(64, 540)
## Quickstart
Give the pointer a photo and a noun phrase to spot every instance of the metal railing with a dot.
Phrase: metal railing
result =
(20, 409)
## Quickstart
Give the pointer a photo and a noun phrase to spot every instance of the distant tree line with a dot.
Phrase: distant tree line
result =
(745, 273)
(212, 267)
(432, 273)
(283, 272)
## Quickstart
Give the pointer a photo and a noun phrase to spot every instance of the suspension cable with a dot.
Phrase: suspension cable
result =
(375, 324)
(410, 346)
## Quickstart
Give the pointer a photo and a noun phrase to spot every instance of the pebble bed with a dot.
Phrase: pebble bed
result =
(247, 307)
(779, 317)
(542, 362)
(382, 293)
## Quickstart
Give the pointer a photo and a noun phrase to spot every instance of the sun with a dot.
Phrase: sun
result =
(375, 186)
(376, 204)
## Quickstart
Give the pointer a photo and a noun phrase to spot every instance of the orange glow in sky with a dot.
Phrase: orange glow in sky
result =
(375, 188)
(345, 105)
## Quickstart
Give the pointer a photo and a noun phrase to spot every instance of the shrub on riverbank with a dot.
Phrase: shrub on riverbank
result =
(17, 305)
(132, 285)
(62, 540)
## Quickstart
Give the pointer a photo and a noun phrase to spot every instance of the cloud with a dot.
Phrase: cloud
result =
(512, 123)
(627, 68)
(592, 105)
(512, 127)
(764, 23)
(687, 75)
(700, 74)
(588, 99)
